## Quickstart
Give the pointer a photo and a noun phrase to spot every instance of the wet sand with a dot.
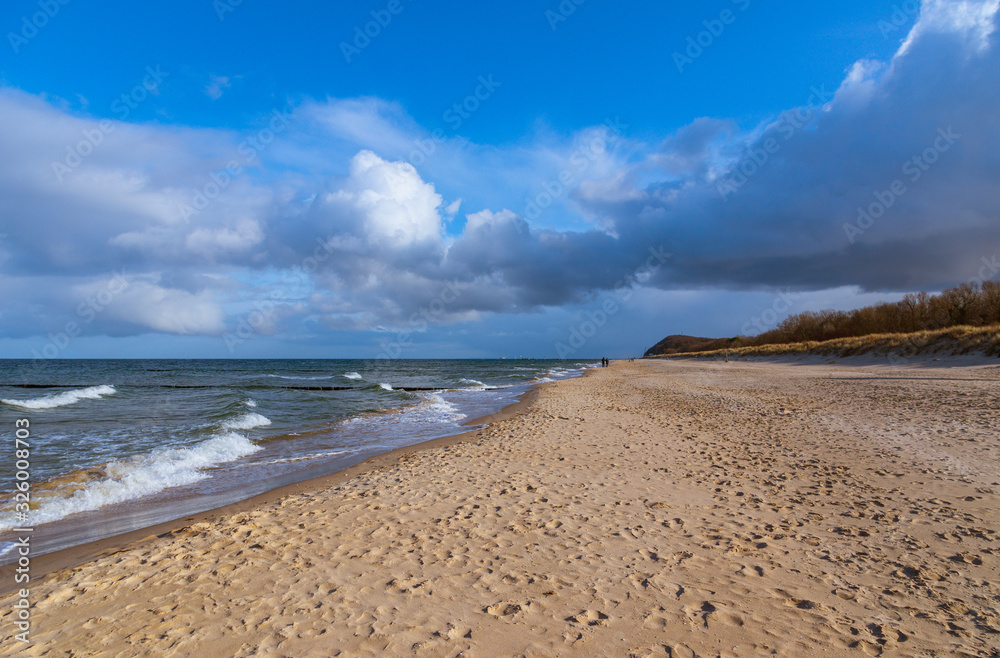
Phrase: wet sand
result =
(653, 508)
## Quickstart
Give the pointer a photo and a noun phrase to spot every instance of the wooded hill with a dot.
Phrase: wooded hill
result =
(967, 305)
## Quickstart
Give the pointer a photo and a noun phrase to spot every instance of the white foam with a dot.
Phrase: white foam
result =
(250, 403)
(434, 409)
(63, 399)
(298, 377)
(352, 375)
(318, 455)
(386, 387)
(143, 475)
(247, 422)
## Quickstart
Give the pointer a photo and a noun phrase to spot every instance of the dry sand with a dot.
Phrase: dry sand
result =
(656, 508)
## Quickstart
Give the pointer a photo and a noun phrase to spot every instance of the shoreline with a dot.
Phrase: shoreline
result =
(648, 509)
(132, 458)
(68, 558)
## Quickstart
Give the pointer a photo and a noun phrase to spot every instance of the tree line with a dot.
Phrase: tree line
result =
(970, 304)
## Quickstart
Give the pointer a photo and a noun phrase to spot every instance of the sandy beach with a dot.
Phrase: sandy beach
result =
(657, 508)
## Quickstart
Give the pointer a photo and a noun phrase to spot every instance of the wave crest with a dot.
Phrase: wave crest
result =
(140, 476)
(247, 422)
(63, 399)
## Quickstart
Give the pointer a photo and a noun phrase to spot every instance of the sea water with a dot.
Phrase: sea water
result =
(118, 445)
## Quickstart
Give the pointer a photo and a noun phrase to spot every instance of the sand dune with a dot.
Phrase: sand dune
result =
(665, 508)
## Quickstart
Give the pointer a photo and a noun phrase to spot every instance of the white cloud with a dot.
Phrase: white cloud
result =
(169, 311)
(453, 208)
(369, 122)
(244, 234)
(972, 20)
(397, 207)
(217, 86)
(334, 206)
(860, 84)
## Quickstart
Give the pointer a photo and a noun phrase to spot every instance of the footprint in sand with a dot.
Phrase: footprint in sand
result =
(589, 618)
(659, 619)
(458, 632)
(708, 614)
(752, 570)
(572, 637)
(503, 609)
(801, 604)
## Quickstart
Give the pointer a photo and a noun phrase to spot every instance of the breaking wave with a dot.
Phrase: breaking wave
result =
(63, 399)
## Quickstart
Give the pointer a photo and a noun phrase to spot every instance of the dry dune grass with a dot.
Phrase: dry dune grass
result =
(954, 341)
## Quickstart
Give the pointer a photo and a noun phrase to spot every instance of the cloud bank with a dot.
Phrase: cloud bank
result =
(347, 215)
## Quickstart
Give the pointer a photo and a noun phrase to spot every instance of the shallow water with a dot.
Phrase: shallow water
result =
(122, 444)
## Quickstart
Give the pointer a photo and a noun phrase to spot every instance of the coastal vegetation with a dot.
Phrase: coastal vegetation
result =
(960, 320)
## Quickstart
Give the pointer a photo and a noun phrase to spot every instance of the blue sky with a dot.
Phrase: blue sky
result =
(213, 179)
(605, 59)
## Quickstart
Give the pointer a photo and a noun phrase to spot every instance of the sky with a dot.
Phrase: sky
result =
(407, 179)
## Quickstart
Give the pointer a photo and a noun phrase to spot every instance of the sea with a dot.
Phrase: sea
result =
(110, 446)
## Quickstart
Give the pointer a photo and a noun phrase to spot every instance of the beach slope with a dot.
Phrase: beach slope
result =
(664, 508)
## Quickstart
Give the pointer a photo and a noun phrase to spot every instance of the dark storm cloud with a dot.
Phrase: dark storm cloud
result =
(369, 242)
